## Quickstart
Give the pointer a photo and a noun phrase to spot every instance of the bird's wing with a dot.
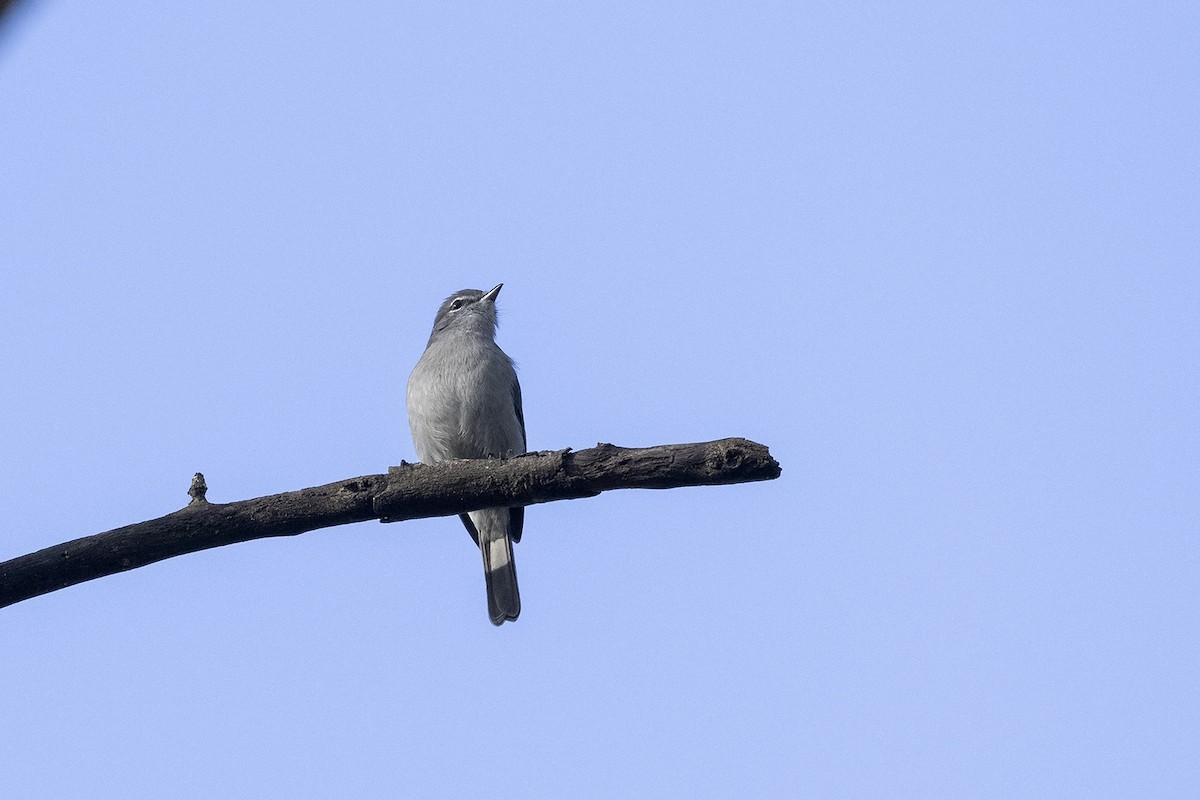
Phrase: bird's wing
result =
(516, 394)
(516, 521)
(517, 515)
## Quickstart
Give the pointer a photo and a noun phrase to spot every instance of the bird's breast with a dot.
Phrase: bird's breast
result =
(460, 403)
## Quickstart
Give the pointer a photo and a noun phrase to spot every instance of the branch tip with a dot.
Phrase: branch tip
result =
(198, 489)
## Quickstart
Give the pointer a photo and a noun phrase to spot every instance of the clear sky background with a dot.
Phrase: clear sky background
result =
(944, 259)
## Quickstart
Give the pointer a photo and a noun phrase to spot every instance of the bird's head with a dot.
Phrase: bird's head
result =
(468, 311)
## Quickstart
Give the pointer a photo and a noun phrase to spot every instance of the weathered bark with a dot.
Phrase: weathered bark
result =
(409, 491)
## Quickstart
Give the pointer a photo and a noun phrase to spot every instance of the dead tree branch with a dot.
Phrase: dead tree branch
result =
(409, 491)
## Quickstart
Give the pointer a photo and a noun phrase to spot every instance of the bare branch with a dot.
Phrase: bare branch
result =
(409, 491)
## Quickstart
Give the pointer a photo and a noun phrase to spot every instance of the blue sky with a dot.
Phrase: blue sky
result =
(942, 259)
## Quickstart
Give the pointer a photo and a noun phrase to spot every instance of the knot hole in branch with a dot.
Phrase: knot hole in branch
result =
(734, 457)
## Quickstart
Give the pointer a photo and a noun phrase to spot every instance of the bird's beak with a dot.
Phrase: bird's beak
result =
(490, 296)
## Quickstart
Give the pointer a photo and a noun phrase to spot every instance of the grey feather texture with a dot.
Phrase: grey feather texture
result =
(464, 401)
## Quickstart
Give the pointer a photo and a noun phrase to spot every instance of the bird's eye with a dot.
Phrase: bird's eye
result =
(457, 304)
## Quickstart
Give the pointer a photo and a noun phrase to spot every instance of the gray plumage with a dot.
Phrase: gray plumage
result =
(464, 401)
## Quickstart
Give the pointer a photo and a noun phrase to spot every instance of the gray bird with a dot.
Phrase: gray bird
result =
(464, 401)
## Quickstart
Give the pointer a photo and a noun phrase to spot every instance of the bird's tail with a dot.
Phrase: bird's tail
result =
(504, 601)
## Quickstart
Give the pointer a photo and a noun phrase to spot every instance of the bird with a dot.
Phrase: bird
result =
(464, 401)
